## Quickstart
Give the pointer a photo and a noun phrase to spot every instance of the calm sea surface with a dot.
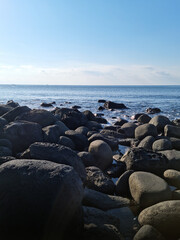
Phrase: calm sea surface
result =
(136, 98)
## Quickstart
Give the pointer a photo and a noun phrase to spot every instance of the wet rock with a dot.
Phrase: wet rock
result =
(172, 177)
(136, 116)
(148, 232)
(12, 104)
(89, 115)
(129, 129)
(148, 189)
(164, 216)
(65, 141)
(40, 116)
(101, 101)
(76, 107)
(87, 158)
(145, 130)
(101, 108)
(103, 201)
(102, 153)
(22, 134)
(147, 142)
(160, 122)
(101, 120)
(172, 131)
(120, 122)
(98, 181)
(139, 159)
(122, 184)
(176, 122)
(15, 112)
(144, 118)
(58, 154)
(80, 141)
(153, 110)
(46, 104)
(38, 194)
(113, 105)
(93, 126)
(161, 144)
(82, 130)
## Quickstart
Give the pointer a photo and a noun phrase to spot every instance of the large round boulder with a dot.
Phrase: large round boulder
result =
(160, 122)
(102, 154)
(172, 131)
(11, 115)
(148, 232)
(161, 144)
(39, 200)
(128, 129)
(164, 216)
(172, 177)
(80, 141)
(145, 130)
(147, 142)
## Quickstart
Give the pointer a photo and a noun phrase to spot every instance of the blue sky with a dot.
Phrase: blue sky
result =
(90, 42)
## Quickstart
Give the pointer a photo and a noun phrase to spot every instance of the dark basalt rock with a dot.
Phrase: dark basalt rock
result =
(12, 104)
(66, 141)
(58, 154)
(52, 133)
(41, 189)
(120, 122)
(82, 130)
(80, 140)
(153, 110)
(76, 107)
(101, 101)
(140, 159)
(4, 109)
(116, 170)
(144, 118)
(46, 104)
(113, 105)
(87, 158)
(15, 112)
(101, 108)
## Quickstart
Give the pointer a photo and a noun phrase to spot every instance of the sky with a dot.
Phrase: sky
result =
(84, 42)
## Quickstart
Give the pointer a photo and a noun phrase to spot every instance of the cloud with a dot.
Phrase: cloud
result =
(90, 74)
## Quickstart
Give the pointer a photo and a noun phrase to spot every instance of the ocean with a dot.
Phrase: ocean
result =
(136, 98)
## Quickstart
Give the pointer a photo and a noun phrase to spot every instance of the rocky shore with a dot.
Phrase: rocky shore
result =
(63, 174)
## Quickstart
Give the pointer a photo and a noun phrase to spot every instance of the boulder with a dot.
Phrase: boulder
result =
(172, 177)
(145, 130)
(80, 141)
(22, 134)
(113, 105)
(148, 232)
(58, 154)
(176, 122)
(172, 131)
(136, 116)
(4, 109)
(5, 151)
(103, 201)
(153, 110)
(38, 194)
(120, 122)
(101, 108)
(44, 104)
(101, 120)
(93, 125)
(98, 181)
(3, 122)
(160, 122)
(12, 104)
(51, 133)
(82, 130)
(175, 143)
(174, 158)
(62, 126)
(15, 112)
(164, 216)
(101, 101)
(112, 133)
(161, 144)
(87, 158)
(140, 159)
(76, 107)
(147, 142)
(116, 170)
(144, 118)
(40, 116)
(176, 195)
(148, 189)
(5, 143)
(128, 129)
(89, 115)
(102, 153)
(65, 141)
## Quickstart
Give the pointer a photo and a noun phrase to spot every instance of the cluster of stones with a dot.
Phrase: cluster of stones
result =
(62, 176)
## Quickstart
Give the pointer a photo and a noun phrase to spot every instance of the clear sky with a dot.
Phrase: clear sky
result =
(90, 42)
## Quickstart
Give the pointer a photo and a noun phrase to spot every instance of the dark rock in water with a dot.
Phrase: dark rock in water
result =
(12, 104)
(148, 232)
(139, 159)
(145, 130)
(113, 105)
(38, 195)
(172, 131)
(153, 110)
(120, 122)
(112, 142)
(82, 130)
(89, 115)
(22, 134)
(144, 118)
(3, 122)
(80, 140)
(72, 118)
(58, 154)
(136, 116)
(103, 201)
(41, 116)
(116, 170)
(93, 125)
(101, 101)
(98, 181)
(65, 141)
(114, 128)
(5, 143)
(4, 109)
(111, 133)
(147, 142)
(87, 158)
(5, 151)
(51, 133)
(122, 184)
(160, 122)
(101, 120)
(15, 112)
(46, 104)
(129, 129)
(99, 114)
(76, 107)
(102, 153)
(101, 108)
(161, 144)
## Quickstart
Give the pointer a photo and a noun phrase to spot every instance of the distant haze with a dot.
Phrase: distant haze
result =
(96, 42)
